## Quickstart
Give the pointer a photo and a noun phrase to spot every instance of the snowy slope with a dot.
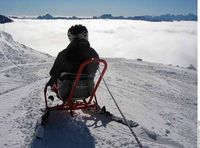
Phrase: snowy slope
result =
(161, 98)
(20, 66)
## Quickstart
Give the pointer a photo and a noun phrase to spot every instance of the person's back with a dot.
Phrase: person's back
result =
(69, 60)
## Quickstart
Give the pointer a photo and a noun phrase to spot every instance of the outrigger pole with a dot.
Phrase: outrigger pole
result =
(133, 133)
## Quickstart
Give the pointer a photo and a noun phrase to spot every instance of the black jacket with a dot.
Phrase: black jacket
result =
(70, 59)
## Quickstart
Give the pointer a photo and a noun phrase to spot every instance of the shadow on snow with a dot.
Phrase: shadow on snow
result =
(64, 131)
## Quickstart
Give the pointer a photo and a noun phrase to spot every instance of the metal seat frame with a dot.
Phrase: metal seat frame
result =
(79, 104)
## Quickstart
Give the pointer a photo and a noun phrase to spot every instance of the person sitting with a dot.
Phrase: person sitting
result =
(67, 63)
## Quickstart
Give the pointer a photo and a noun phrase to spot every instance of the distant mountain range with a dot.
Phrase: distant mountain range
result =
(48, 16)
(4, 19)
(165, 17)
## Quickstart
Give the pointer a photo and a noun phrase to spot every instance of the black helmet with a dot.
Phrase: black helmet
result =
(77, 32)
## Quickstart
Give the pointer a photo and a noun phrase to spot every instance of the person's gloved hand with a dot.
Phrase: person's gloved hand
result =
(54, 87)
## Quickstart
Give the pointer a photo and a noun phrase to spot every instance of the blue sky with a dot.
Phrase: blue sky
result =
(97, 7)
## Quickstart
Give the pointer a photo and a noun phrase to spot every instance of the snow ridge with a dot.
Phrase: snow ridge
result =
(12, 53)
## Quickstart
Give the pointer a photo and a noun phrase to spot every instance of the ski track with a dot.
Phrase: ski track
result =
(23, 115)
(20, 67)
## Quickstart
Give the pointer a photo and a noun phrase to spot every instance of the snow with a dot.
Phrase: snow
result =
(161, 98)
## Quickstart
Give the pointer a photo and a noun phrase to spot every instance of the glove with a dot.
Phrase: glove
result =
(54, 87)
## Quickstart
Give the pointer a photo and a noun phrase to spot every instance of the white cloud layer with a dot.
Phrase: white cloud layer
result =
(164, 42)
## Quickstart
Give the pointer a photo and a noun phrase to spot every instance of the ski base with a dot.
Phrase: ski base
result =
(121, 120)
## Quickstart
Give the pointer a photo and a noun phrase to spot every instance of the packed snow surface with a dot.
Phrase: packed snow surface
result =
(161, 98)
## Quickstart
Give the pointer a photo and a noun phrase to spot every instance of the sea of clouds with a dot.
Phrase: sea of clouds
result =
(163, 42)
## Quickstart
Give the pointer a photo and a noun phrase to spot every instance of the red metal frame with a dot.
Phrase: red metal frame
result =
(69, 105)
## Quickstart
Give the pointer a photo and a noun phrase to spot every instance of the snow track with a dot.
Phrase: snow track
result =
(17, 109)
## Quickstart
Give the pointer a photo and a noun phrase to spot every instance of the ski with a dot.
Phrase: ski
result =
(39, 130)
(41, 123)
(102, 111)
(107, 114)
(121, 120)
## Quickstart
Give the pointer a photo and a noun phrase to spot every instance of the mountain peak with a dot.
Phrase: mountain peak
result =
(4, 19)
(46, 16)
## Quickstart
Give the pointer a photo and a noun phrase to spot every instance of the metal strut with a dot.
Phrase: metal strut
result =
(133, 133)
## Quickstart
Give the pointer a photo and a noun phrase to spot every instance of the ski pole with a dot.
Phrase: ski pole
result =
(133, 133)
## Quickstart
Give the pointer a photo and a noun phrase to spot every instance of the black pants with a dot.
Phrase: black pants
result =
(83, 89)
